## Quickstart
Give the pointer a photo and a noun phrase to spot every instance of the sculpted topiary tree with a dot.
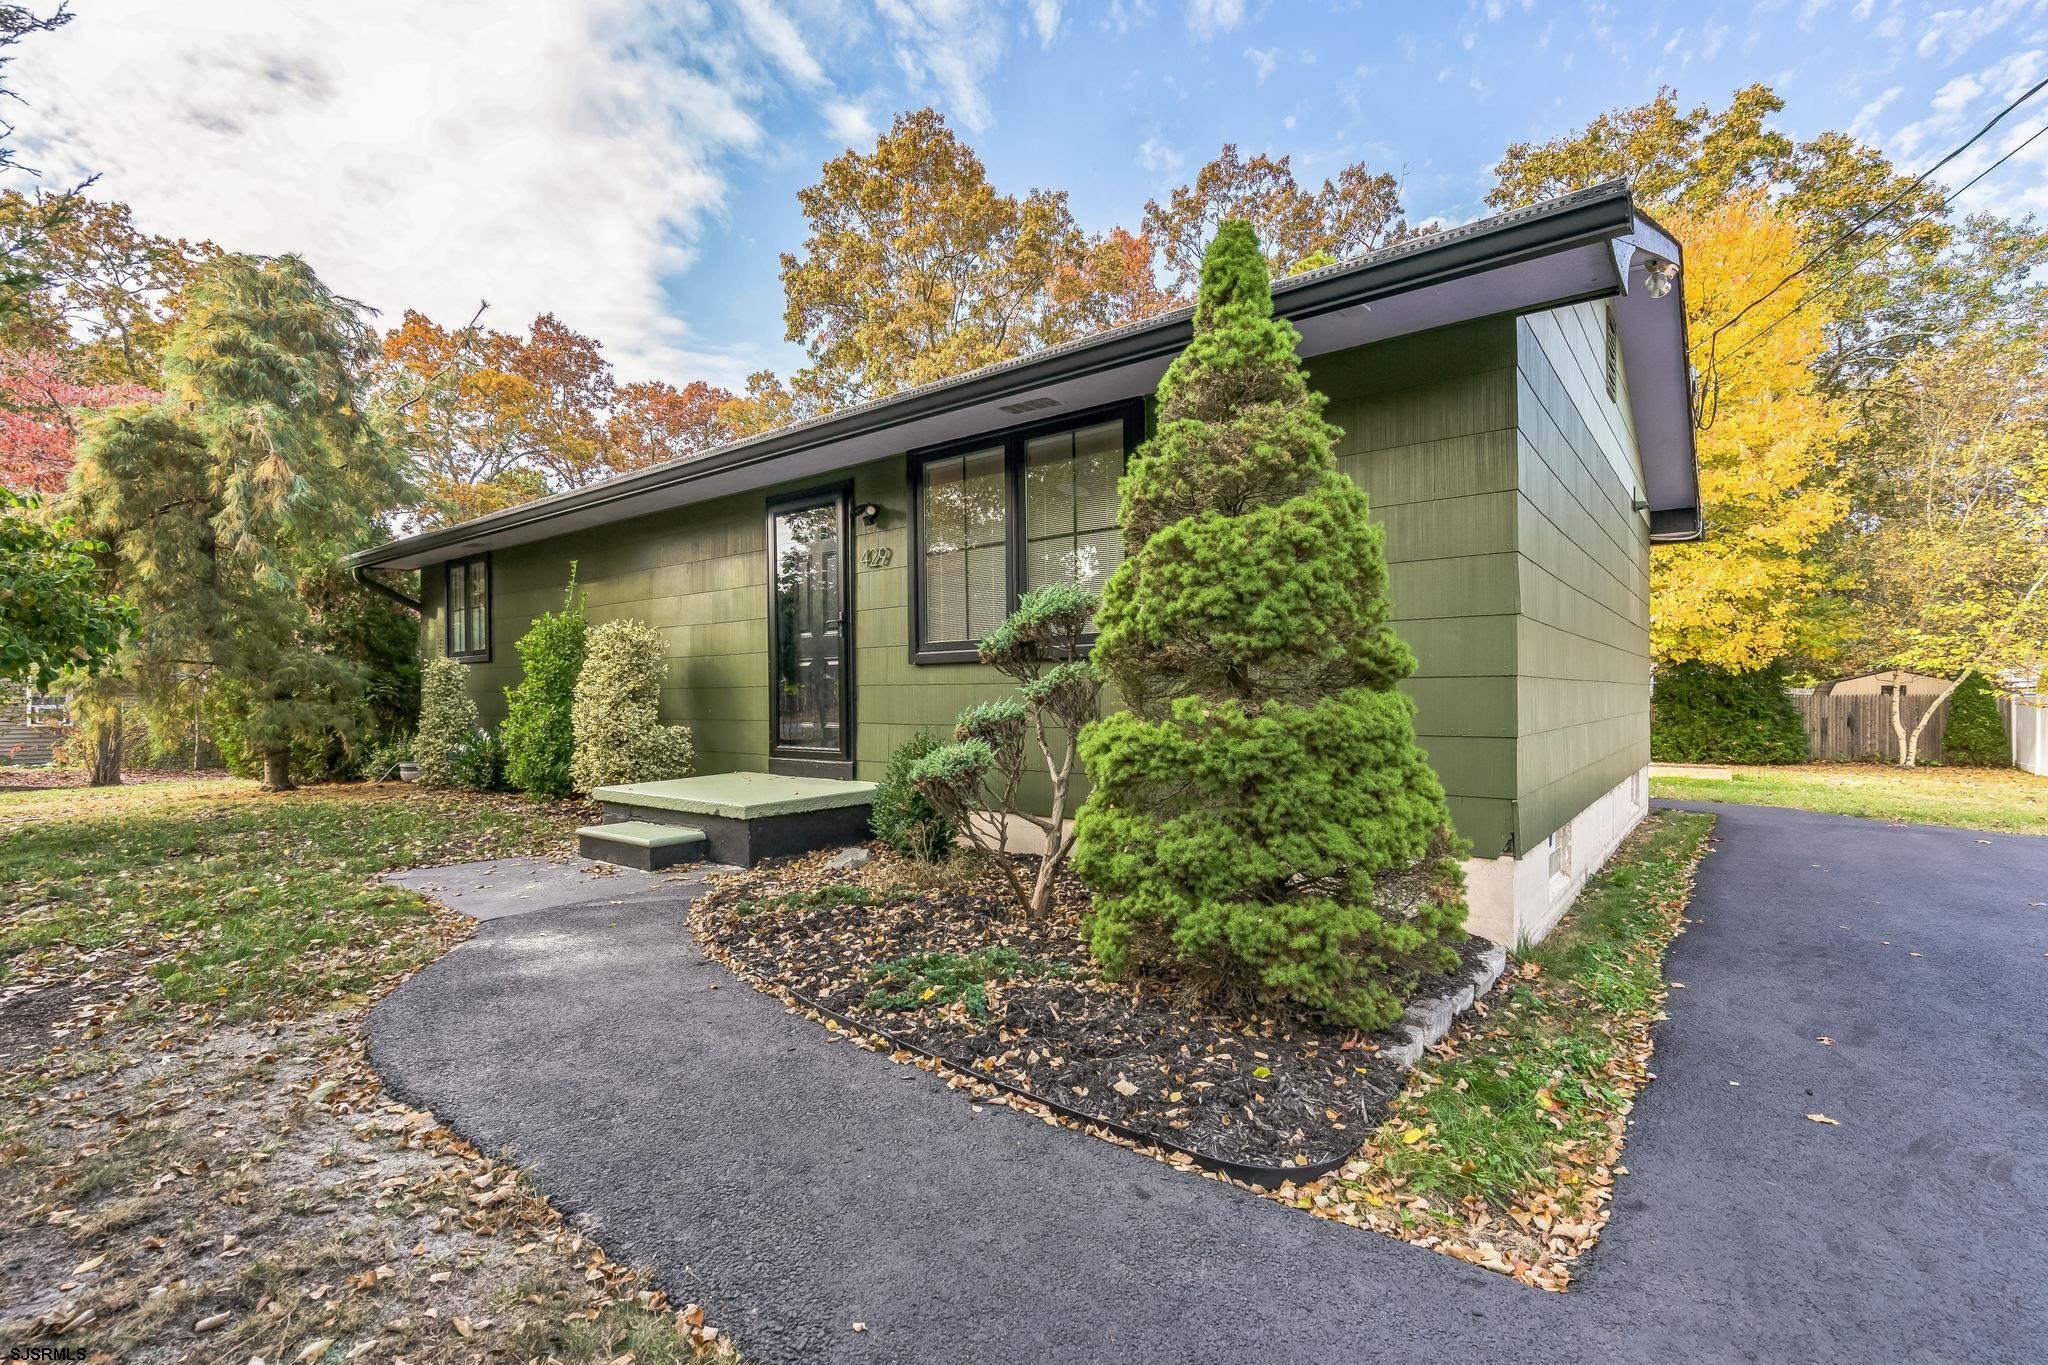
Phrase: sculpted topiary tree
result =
(975, 781)
(616, 715)
(1262, 821)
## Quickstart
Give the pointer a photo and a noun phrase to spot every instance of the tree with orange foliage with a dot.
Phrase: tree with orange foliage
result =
(653, 422)
(492, 419)
(1298, 228)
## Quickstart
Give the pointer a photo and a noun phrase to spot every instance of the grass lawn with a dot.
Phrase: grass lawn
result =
(2002, 799)
(195, 1160)
(1504, 1148)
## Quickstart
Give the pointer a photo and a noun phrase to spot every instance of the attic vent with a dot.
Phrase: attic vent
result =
(1613, 356)
(1028, 405)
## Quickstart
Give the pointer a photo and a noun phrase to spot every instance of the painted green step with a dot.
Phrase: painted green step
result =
(643, 834)
(641, 844)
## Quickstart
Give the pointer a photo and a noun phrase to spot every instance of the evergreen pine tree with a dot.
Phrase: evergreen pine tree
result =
(257, 471)
(1261, 818)
(1702, 713)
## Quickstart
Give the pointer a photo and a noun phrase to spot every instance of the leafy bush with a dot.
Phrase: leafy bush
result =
(540, 731)
(1975, 733)
(979, 773)
(617, 712)
(901, 816)
(1703, 714)
(1262, 821)
(382, 762)
(448, 718)
(479, 759)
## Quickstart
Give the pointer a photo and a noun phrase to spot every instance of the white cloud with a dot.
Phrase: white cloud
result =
(777, 35)
(1211, 17)
(848, 122)
(1160, 158)
(1865, 122)
(949, 44)
(1962, 105)
(1045, 19)
(1263, 60)
(542, 156)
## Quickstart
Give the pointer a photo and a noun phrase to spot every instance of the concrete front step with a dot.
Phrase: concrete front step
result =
(747, 817)
(641, 844)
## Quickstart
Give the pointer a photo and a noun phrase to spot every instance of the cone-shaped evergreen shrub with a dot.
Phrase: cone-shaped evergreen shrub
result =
(617, 712)
(1261, 820)
(448, 723)
(1703, 714)
(1975, 734)
(540, 738)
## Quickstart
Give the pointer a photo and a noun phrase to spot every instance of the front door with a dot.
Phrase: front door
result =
(810, 636)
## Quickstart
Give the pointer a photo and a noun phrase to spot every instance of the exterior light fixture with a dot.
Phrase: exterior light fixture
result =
(1659, 276)
(868, 513)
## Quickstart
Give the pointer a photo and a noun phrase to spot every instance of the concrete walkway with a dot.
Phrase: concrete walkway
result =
(795, 1186)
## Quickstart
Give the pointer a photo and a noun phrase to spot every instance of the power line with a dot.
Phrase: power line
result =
(1890, 239)
(1840, 237)
(1710, 385)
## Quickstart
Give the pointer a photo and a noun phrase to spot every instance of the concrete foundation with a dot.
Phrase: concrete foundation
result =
(1516, 901)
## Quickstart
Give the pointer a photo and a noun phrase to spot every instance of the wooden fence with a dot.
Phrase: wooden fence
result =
(1861, 727)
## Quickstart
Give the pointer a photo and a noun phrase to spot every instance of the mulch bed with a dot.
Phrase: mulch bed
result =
(943, 961)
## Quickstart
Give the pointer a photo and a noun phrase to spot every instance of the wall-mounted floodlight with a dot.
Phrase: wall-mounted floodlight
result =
(869, 513)
(1659, 276)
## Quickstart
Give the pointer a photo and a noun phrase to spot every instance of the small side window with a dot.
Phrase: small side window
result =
(467, 608)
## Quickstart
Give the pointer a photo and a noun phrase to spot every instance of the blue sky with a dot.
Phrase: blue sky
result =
(633, 166)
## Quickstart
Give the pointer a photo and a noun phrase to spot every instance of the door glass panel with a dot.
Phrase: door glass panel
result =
(809, 626)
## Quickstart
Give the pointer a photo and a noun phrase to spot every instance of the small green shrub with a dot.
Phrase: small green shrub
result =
(381, 764)
(480, 761)
(1975, 734)
(901, 816)
(1703, 714)
(617, 712)
(448, 719)
(939, 979)
(540, 730)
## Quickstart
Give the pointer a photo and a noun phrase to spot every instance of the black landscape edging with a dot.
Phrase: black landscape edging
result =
(1266, 1177)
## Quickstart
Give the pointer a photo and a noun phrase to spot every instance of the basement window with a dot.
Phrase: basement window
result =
(1000, 515)
(466, 607)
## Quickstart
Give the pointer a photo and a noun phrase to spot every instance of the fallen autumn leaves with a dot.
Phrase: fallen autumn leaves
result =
(226, 1180)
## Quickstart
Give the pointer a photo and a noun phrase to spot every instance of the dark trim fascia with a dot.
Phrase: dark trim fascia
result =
(838, 494)
(1603, 212)
(382, 589)
(1012, 441)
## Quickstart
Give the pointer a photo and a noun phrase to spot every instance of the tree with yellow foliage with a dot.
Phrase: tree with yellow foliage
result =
(1738, 599)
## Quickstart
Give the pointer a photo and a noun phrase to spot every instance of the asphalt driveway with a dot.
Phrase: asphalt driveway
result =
(795, 1186)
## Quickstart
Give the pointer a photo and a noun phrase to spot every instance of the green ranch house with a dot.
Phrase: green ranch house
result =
(1514, 395)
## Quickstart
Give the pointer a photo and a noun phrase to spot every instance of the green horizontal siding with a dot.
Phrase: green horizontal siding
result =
(1582, 641)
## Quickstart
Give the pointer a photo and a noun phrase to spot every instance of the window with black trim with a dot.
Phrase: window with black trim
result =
(999, 516)
(467, 608)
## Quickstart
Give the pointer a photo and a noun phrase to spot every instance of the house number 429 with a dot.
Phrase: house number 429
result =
(877, 557)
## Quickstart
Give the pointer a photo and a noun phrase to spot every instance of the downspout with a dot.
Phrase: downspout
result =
(383, 589)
